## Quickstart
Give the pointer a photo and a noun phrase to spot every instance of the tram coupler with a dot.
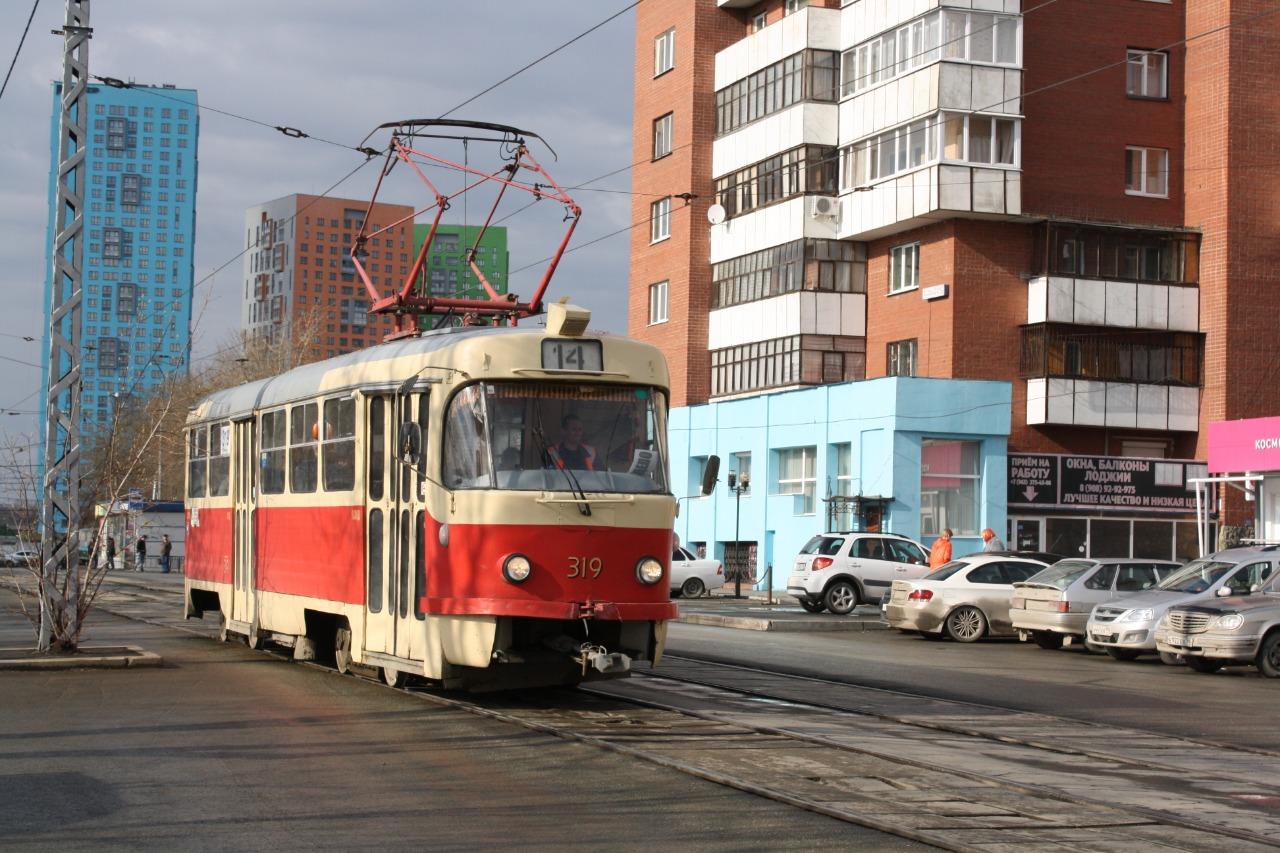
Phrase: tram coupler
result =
(592, 656)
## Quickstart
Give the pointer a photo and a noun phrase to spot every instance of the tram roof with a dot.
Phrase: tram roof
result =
(306, 380)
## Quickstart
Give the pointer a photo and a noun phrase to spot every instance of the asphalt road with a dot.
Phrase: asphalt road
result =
(225, 748)
(1234, 706)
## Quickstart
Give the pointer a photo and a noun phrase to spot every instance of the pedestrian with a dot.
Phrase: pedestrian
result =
(111, 553)
(990, 542)
(940, 553)
(142, 554)
(166, 551)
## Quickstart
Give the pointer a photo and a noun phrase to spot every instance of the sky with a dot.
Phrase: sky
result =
(334, 70)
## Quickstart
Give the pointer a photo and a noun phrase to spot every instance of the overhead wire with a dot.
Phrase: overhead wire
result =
(22, 40)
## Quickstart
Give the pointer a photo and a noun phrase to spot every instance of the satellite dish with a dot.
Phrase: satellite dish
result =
(715, 214)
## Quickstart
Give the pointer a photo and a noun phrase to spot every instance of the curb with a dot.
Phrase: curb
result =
(756, 623)
(88, 657)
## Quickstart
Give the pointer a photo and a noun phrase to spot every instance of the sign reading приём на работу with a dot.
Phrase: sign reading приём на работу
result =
(1051, 480)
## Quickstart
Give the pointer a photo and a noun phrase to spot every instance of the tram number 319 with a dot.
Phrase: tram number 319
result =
(579, 567)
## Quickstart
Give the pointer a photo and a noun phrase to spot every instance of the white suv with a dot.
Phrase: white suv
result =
(838, 571)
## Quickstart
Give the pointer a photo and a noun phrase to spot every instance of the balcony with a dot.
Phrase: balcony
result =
(1140, 380)
(773, 225)
(806, 312)
(931, 193)
(811, 27)
(805, 123)
(1124, 304)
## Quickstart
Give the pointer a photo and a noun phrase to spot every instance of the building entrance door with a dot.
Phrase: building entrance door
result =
(1026, 534)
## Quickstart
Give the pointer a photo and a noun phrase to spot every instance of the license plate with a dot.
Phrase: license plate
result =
(1179, 640)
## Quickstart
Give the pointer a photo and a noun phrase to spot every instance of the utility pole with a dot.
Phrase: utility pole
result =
(60, 511)
(738, 483)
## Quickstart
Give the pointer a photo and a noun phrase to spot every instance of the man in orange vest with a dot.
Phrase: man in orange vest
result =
(571, 452)
(940, 553)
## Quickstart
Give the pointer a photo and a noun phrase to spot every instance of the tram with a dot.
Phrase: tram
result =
(421, 507)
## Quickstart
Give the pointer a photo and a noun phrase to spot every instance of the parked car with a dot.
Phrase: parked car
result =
(838, 571)
(966, 599)
(1039, 556)
(1126, 626)
(22, 557)
(1236, 626)
(1056, 603)
(692, 577)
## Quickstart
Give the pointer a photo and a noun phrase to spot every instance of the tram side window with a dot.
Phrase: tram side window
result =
(377, 447)
(466, 451)
(420, 574)
(404, 563)
(303, 430)
(375, 561)
(424, 420)
(198, 466)
(339, 445)
(220, 460)
(273, 453)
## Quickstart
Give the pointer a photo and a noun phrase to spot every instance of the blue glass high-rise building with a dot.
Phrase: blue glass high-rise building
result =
(139, 232)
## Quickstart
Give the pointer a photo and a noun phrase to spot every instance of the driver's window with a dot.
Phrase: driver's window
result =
(905, 552)
(869, 548)
(677, 556)
(1244, 578)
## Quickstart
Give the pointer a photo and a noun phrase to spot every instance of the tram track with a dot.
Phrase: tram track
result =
(865, 756)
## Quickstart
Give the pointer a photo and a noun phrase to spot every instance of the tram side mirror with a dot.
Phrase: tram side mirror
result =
(710, 474)
(410, 449)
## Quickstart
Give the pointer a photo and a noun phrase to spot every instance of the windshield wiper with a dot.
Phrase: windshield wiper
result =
(574, 486)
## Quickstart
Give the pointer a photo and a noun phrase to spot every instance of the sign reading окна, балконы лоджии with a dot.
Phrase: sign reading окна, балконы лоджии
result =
(1051, 480)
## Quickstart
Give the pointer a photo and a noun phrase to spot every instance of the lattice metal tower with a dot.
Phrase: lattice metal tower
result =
(60, 513)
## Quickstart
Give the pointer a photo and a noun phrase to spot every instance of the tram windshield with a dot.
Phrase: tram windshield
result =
(556, 436)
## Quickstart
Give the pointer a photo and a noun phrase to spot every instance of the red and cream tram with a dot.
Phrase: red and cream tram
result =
(422, 507)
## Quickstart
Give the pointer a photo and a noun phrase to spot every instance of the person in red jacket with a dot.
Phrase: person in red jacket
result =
(940, 553)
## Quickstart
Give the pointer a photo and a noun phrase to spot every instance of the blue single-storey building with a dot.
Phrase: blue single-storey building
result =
(900, 454)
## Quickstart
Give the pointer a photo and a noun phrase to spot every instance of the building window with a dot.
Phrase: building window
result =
(904, 267)
(1152, 358)
(1129, 254)
(1146, 172)
(797, 475)
(902, 358)
(660, 220)
(759, 22)
(658, 303)
(968, 36)
(982, 140)
(664, 52)
(809, 75)
(949, 486)
(742, 468)
(842, 517)
(662, 136)
(1148, 74)
(807, 169)
(832, 265)
(779, 362)
(795, 5)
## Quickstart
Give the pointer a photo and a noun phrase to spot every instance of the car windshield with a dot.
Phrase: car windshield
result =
(1062, 574)
(556, 436)
(947, 570)
(1196, 576)
(828, 545)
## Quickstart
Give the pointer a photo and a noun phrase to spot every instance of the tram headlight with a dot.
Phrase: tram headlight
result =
(648, 571)
(517, 568)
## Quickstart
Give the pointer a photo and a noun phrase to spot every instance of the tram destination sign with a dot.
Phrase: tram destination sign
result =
(1050, 480)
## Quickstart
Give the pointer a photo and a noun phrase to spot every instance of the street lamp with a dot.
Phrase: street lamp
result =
(738, 484)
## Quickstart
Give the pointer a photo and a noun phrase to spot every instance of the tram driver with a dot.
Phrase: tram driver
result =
(571, 452)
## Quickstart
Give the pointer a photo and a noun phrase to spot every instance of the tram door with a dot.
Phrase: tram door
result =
(245, 495)
(393, 524)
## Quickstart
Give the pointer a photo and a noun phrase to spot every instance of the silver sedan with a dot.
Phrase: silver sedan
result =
(966, 599)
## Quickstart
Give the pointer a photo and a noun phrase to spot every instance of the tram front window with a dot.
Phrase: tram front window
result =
(555, 436)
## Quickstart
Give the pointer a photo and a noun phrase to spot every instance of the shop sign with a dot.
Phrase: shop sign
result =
(1246, 445)
(1050, 480)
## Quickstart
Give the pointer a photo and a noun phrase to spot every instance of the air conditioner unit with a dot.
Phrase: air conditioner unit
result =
(824, 207)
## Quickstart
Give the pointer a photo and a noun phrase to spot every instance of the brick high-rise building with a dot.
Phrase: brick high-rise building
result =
(1073, 198)
(300, 282)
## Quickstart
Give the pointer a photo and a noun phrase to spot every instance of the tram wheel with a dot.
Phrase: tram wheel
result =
(342, 650)
(393, 677)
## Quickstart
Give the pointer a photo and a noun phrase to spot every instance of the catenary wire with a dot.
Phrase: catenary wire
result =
(17, 51)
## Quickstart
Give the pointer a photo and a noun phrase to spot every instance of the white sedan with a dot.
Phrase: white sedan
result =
(692, 577)
(967, 599)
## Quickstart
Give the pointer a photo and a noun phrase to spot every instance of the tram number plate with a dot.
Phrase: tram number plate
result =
(581, 567)
(572, 355)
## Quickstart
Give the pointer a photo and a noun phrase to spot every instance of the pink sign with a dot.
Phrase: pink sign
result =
(1248, 445)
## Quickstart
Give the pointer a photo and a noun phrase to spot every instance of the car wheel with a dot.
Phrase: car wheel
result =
(966, 625)
(693, 588)
(841, 597)
(1200, 664)
(1268, 659)
(1171, 659)
(812, 606)
(1122, 654)
(1046, 639)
